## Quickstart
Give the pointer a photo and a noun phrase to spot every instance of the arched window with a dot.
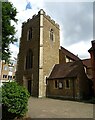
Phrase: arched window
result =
(29, 59)
(29, 34)
(51, 35)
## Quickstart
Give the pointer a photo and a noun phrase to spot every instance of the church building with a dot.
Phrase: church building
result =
(38, 53)
(45, 68)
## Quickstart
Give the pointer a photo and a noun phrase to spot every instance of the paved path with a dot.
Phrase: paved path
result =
(52, 108)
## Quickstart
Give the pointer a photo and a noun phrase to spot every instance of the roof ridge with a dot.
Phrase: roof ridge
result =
(62, 48)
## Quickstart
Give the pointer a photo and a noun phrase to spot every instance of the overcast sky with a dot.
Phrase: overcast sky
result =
(75, 20)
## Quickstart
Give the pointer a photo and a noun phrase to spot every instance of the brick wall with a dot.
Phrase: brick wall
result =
(64, 92)
(61, 57)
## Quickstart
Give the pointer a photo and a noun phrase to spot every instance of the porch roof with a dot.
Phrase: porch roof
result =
(67, 70)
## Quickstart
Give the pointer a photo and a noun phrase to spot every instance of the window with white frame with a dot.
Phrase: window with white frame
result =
(60, 85)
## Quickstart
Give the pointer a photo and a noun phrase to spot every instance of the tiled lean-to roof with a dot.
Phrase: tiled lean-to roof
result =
(70, 69)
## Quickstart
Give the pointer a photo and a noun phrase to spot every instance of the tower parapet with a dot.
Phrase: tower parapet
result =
(48, 17)
(42, 12)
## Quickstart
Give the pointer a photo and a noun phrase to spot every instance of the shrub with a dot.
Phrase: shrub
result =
(14, 100)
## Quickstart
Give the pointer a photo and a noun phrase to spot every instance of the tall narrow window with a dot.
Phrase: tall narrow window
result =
(5, 67)
(29, 59)
(9, 77)
(56, 84)
(29, 34)
(4, 76)
(67, 83)
(51, 35)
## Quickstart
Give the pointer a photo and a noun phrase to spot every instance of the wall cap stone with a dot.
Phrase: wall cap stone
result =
(41, 12)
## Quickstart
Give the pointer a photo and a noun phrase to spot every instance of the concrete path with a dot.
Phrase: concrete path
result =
(52, 108)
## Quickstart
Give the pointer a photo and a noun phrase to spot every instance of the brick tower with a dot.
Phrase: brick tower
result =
(38, 52)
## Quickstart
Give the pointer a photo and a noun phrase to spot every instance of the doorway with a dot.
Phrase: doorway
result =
(29, 86)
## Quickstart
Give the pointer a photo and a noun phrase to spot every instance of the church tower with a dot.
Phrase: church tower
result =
(38, 52)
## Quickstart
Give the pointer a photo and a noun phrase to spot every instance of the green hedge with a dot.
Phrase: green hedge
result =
(14, 100)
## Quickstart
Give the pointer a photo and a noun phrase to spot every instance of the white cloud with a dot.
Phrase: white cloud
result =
(61, 15)
(76, 25)
(14, 50)
(22, 16)
(69, 1)
(80, 49)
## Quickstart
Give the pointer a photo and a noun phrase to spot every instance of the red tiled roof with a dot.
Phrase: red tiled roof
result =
(87, 62)
(69, 54)
(70, 69)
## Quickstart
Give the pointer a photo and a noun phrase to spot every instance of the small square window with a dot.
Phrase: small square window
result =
(10, 69)
(5, 67)
(60, 85)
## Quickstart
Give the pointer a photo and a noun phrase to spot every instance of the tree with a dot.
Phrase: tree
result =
(8, 31)
(14, 100)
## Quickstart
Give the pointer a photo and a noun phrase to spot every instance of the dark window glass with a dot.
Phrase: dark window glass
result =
(67, 84)
(9, 77)
(13, 77)
(56, 84)
(29, 59)
(4, 76)
(51, 34)
(29, 34)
